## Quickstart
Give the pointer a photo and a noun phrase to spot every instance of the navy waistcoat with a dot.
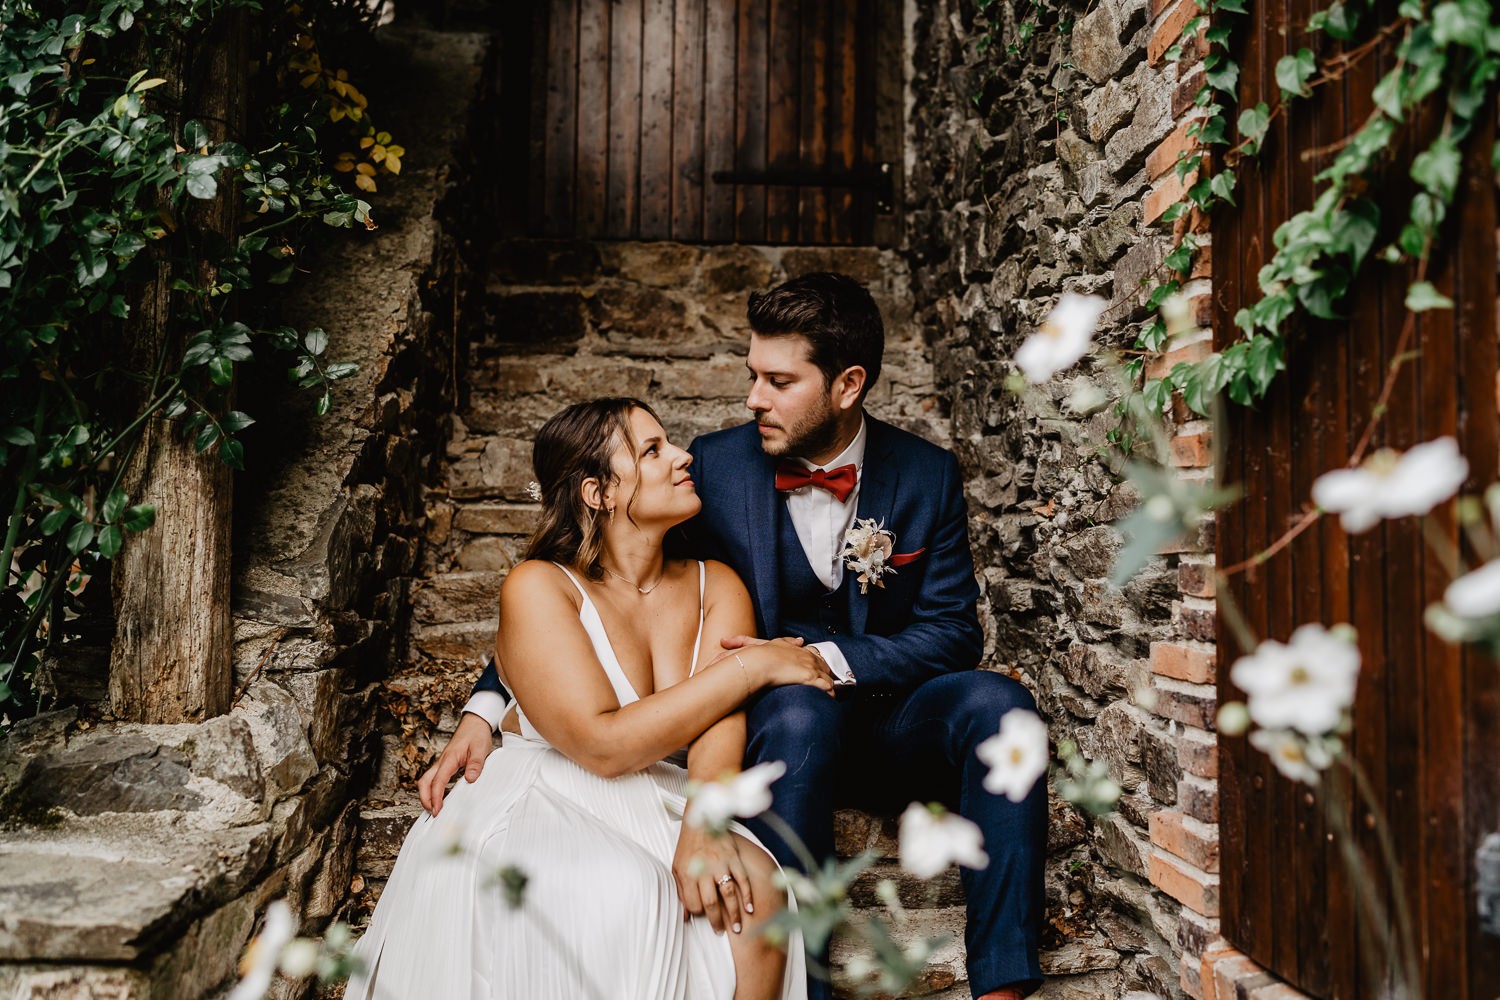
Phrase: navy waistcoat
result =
(809, 610)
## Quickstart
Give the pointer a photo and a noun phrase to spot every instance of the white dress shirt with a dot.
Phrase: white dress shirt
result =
(820, 520)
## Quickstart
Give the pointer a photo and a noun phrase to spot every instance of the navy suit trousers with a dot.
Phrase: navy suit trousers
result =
(881, 751)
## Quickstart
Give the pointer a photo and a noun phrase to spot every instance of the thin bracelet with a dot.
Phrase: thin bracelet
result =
(745, 673)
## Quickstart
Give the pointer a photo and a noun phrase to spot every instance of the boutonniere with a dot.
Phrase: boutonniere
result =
(867, 551)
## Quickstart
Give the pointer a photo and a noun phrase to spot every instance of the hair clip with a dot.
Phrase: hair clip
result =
(534, 490)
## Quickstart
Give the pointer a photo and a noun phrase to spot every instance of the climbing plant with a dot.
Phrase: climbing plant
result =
(99, 169)
(1448, 53)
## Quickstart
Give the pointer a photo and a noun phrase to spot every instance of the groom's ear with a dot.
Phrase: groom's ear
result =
(848, 387)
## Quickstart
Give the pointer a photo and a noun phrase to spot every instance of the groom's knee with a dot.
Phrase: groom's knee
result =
(974, 701)
(796, 724)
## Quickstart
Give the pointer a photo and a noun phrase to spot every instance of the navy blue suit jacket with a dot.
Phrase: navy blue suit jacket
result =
(923, 622)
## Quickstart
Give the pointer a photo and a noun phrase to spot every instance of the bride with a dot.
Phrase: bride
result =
(609, 649)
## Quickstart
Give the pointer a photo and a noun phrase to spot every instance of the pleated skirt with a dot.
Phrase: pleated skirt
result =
(599, 915)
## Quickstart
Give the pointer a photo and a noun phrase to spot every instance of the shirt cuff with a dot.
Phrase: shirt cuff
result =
(843, 674)
(488, 705)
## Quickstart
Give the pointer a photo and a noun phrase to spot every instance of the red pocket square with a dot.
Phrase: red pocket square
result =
(902, 558)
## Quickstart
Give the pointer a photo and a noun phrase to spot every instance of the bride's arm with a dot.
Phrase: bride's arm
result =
(557, 677)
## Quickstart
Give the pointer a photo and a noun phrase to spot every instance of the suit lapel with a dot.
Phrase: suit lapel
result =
(877, 497)
(763, 539)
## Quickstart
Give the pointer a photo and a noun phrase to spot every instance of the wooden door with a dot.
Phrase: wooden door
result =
(1427, 717)
(748, 121)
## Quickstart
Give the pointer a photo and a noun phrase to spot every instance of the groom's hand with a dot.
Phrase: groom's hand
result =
(818, 673)
(471, 744)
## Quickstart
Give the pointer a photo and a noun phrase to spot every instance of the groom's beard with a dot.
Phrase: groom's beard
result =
(811, 436)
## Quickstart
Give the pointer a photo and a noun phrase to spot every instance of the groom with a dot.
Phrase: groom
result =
(782, 496)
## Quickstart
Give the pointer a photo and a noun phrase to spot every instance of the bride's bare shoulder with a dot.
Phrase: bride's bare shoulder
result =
(537, 578)
(721, 579)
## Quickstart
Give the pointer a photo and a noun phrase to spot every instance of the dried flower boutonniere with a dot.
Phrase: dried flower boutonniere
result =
(867, 551)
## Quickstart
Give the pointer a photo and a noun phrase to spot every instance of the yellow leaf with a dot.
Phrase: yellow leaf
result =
(393, 164)
(366, 169)
(339, 87)
(364, 183)
(155, 81)
(377, 154)
(343, 74)
(343, 166)
(366, 142)
(336, 113)
(384, 138)
(355, 114)
(309, 80)
(394, 150)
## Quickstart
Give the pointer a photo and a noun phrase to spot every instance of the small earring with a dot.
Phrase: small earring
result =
(611, 512)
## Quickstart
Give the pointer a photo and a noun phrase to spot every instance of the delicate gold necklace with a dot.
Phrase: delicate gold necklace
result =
(638, 587)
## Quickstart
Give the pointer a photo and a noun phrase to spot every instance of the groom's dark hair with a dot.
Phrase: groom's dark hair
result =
(836, 314)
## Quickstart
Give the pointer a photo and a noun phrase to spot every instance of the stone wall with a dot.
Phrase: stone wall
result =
(1033, 172)
(136, 860)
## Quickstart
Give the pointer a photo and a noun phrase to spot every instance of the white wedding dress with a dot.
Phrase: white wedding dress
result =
(600, 917)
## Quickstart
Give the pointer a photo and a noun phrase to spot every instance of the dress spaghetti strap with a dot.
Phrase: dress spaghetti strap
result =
(702, 613)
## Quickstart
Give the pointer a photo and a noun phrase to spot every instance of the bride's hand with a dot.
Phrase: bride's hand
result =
(786, 660)
(699, 865)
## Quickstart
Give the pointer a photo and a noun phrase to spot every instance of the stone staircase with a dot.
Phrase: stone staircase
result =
(559, 322)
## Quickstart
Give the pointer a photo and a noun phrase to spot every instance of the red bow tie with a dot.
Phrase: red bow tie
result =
(840, 482)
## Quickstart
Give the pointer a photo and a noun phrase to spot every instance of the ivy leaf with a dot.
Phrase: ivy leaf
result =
(1388, 93)
(342, 369)
(114, 505)
(232, 453)
(316, 341)
(21, 437)
(1253, 124)
(1158, 395)
(206, 438)
(1223, 77)
(1263, 361)
(140, 517)
(1293, 72)
(1460, 23)
(110, 540)
(221, 370)
(1222, 185)
(55, 519)
(1422, 296)
(80, 537)
(1436, 168)
(236, 420)
(1355, 228)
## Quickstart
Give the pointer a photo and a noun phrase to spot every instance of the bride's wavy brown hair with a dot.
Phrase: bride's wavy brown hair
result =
(574, 445)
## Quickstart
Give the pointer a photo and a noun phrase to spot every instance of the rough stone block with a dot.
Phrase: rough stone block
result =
(501, 469)
(1195, 933)
(1079, 956)
(543, 262)
(1096, 44)
(866, 265)
(536, 320)
(657, 263)
(459, 597)
(1121, 844)
(1163, 769)
(735, 270)
(497, 519)
(628, 312)
(280, 737)
(467, 642)
(111, 772)
(1190, 886)
(488, 554)
(582, 380)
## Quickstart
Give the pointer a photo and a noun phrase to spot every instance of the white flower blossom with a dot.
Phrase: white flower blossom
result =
(1065, 336)
(1303, 684)
(932, 838)
(715, 803)
(1294, 756)
(1017, 756)
(1476, 594)
(258, 965)
(1391, 484)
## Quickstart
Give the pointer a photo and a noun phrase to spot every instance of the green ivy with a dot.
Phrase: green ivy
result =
(96, 176)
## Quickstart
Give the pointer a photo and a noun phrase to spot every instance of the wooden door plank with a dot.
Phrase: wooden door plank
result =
(812, 202)
(688, 100)
(593, 118)
(752, 71)
(623, 210)
(561, 117)
(657, 120)
(719, 104)
(783, 109)
(843, 57)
